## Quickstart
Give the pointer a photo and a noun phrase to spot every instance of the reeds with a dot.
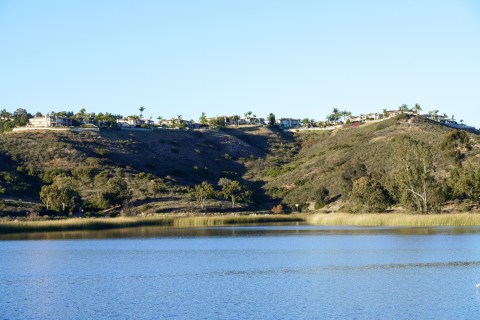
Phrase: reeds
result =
(332, 219)
(395, 219)
(126, 222)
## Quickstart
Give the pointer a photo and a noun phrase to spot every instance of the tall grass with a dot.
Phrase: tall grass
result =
(333, 219)
(397, 219)
(125, 222)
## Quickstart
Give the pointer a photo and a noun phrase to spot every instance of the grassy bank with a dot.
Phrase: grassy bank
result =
(396, 219)
(127, 222)
(336, 219)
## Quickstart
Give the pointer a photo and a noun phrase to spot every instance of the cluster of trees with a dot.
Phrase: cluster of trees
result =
(8, 120)
(336, 115)
(63, 195)
(230, 190)
(415, 184)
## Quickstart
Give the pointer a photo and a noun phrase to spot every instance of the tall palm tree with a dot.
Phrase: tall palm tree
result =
(142, 108)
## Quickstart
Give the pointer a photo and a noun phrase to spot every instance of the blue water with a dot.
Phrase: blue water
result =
(282, 272)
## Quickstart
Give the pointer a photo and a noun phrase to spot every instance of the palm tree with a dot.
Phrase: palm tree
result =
(433, 114)
(417, 108)
(142, 108)
(203, 118)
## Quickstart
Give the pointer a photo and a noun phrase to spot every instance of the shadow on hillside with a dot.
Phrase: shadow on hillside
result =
(188, 158)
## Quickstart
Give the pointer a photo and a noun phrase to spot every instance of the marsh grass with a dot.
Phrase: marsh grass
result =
(395, 219)
(332, 219)
(127, 222)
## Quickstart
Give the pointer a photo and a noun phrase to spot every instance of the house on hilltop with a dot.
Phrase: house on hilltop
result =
(49, 121)
(289, 123)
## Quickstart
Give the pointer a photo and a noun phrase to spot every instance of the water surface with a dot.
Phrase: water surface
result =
(261, 272)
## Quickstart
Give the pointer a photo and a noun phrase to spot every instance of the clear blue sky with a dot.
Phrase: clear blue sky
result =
(296, 58)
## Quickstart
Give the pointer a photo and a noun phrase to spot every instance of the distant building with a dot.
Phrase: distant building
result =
(289, 123)
(50, 121)
(354, 119)
(134, 122)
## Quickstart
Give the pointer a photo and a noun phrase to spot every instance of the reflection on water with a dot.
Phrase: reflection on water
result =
(255, 272)
(257, 230)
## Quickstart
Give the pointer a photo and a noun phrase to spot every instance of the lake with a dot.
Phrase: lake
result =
(254, 272)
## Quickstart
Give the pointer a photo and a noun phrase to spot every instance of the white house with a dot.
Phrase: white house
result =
(289, 123)
(50, 121)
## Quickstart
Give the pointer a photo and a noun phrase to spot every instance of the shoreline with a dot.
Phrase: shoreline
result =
(319, 219)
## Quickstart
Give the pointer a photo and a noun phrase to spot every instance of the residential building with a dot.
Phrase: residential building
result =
(50, 121)
(289, 123)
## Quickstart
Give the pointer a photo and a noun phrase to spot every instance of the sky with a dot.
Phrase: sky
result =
(295, 58)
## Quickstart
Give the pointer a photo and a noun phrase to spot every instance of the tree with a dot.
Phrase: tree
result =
(464, 183)
(385, 113)
(60, 196)
(345, 114)
(235, 119)
(353, 172)
(203, 119)
(334, 116)
(433, 114)
(369, 195)
(403, 108)
(417, 108)
(218, 122)
(233, 190)
(141, 109)
(5, 115)
(271, 120)
(248, 114)
(322, 197)
(203, 192)
(117, 193)
(21, 116)
(306, 122)
(420, 190)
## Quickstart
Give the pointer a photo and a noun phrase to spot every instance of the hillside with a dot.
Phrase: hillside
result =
(332, 159)
(160, 166)
(159, 169)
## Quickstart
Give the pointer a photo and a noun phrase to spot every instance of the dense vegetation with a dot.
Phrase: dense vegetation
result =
(132, 172)
(405, 162)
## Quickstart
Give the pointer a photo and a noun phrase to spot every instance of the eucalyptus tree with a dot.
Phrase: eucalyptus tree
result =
(419, 189)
